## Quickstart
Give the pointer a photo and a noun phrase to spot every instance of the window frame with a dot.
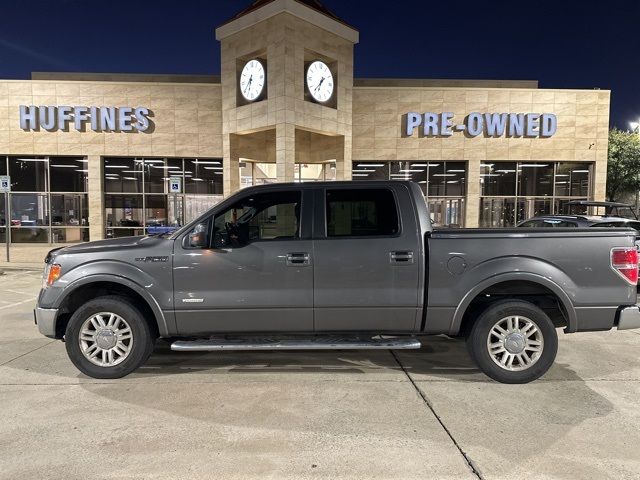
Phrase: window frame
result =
(225, 207)
(321, 199)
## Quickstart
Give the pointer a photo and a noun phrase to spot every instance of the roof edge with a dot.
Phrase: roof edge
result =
(294, 7)
(125, 77)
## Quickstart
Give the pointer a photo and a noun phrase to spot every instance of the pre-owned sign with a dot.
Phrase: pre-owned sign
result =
(530, 125)
(98, 119)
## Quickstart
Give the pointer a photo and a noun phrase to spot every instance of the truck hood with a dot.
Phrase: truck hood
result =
(114, 244)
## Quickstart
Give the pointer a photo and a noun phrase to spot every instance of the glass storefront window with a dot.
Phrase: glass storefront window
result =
(370, 170)
(29, 209)
(68, 174)
(447, 211)
(122, 175)
(28, 174)
(47, 194)
(157, 171)
(572, 179)
(442, 182)
(123, 210)
(524, 190)
(137, 198)
(155, 207)
(203, 177)
(498, 179)
(195, 205)
(69, 210)
(535, 179)
(497, 212)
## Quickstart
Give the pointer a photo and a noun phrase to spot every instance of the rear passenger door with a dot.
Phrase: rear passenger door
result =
(366, 273)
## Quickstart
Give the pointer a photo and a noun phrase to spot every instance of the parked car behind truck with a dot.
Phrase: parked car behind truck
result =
(337, 265)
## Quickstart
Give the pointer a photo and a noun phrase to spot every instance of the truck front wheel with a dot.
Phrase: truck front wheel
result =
(513, 341)
(108, 337)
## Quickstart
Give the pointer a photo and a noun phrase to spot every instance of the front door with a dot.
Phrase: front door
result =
(247, 268)
(367, 262)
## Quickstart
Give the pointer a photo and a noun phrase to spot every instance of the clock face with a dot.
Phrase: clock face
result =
(252, 80)
(320, 81)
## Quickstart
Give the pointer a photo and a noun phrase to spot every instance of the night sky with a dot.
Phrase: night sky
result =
(563, 44)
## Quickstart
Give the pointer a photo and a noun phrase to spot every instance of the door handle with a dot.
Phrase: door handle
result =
(298, 259)
(402, 257)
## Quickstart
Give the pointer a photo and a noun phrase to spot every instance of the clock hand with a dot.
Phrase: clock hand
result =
(321, 80)
(248, 84)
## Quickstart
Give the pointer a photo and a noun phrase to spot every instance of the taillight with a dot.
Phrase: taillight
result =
(624, 260)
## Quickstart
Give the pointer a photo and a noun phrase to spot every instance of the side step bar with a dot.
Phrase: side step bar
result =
(295, 343)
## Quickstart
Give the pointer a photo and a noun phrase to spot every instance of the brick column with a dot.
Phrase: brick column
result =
(95, 197)
(343, 159)
(230, 165)
(285, 152)
(472, 201)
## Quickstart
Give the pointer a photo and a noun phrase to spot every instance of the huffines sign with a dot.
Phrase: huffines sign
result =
(528, 125)
(98, 119)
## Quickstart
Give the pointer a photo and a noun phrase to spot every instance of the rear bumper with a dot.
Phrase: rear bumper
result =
(46, 320)
(629, 317)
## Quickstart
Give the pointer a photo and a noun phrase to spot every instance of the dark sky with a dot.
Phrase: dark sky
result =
(563, 44)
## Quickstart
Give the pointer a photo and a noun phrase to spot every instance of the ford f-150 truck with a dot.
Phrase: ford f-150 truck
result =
(337, 265)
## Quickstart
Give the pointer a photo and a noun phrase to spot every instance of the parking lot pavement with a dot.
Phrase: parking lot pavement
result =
(344, 414)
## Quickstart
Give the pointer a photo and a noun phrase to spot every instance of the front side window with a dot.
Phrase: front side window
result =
(263, 217)
(361, 213)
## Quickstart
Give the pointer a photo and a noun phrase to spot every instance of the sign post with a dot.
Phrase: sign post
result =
(5, 187)
(175, 187)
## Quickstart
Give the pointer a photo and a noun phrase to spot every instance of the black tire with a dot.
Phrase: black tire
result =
(142, 342)
(479, 338)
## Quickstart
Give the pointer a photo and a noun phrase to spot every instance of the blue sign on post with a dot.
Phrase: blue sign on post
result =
(175, 185)
(5, 184)
(5, 187)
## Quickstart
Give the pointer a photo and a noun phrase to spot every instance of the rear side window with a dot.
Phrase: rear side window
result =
(531, 224)
(549, 223)
(559, 223)
(361, 213)
(634, 225)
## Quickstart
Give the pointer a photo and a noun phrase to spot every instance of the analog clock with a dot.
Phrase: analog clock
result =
(252, 80)
(320, 81)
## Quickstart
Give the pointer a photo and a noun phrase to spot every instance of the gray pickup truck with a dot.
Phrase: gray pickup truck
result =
(336, 265)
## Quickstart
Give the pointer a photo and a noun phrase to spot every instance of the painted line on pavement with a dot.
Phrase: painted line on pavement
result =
(27, 353)
(18, 303)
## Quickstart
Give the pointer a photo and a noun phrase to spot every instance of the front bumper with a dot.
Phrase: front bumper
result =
(629, 317)
(46, 320)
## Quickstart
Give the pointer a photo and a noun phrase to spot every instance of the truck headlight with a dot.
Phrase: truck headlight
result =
(52, 273)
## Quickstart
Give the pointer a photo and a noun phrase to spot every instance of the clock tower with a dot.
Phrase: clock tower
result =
(287, 86)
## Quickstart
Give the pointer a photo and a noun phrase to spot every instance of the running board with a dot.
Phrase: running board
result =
(295, 343)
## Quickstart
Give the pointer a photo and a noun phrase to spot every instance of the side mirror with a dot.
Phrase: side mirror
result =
(198, 236)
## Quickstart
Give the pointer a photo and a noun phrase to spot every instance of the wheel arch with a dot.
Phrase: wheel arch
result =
(93, 286)
(520, 282)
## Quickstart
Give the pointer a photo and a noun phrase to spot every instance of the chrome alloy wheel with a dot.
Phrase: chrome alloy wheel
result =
(515, 343)
(105, 339)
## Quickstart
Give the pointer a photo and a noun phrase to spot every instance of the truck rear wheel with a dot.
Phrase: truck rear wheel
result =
(108, 337)
(513, 342)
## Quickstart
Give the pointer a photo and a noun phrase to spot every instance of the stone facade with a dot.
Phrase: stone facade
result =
(582, 134)
(187, 118)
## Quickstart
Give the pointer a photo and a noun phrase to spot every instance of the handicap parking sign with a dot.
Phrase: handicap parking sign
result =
(175, 185)
(5, 184)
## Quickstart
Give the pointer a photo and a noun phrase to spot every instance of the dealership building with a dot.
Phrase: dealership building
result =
(93, 156)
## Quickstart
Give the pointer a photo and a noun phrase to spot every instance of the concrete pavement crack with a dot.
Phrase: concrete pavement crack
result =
(470, 463)
(27, 353)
